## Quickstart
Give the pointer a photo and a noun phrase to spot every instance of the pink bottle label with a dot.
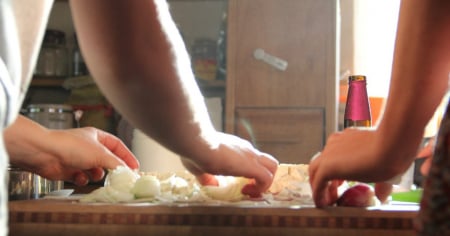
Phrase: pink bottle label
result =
(357, 107)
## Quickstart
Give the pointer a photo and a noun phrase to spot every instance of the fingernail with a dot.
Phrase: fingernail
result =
(251, 190)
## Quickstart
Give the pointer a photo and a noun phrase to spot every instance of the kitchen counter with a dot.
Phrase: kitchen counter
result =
(70, 217)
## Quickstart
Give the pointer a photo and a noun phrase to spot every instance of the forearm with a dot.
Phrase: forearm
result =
(149, 80)
(419, 76)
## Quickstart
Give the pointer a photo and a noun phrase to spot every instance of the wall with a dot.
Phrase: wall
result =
(375, 26)
(367, 43)
(198, 19)
(347, 39)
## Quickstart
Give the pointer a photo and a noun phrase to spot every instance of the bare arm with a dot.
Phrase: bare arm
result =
(137, 57)
(419, 77)
(419, 81)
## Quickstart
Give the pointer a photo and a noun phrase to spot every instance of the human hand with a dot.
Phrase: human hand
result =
(348, 155)
(427, 153)
(75, 155)
(234, 156)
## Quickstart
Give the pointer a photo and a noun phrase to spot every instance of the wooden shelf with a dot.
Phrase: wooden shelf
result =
(47, 81)
(210, 84)
(212, 88)
(58, 81)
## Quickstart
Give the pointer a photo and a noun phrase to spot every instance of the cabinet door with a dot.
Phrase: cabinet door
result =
(287, 112)
(300, 32)
(291, 135)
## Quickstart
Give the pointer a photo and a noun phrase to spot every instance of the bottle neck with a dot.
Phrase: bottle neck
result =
(357, 110)
(357, 123)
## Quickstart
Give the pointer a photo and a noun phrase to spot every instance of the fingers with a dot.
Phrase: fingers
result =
(100, 150)
(119, 149)
(96, 174)
(425, 168)
(382, 191)
(207, 179)
(202, 178)
(82, 178)
(426, 151)
(323, 193)
(263, 179)
(332, 191)
(251, 190)
(269, 162)
(263, 173)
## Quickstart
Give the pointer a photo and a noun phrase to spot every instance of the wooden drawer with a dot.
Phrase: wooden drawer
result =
(292, 135)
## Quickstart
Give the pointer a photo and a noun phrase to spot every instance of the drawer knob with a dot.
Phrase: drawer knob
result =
(272, 60)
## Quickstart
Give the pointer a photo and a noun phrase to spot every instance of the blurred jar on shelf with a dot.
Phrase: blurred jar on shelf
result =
(221, 72)
(79, 67)
(204, 58)
(53, 57)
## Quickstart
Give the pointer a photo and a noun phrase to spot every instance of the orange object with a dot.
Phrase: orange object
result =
(376, 108)
(343, 90)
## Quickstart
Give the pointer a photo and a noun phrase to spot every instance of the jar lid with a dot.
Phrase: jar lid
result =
(14, 168)
(53, 108)
(55, 37)
(356, 78)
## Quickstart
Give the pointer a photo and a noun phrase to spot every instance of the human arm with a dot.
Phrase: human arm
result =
(138, 58)
(75, 155)
(419, 82)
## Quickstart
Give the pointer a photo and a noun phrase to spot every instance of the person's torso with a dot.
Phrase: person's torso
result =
(22, 27)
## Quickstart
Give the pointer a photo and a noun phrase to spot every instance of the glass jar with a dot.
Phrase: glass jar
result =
(204, 58)
(52, 116)
(53, 58)
(20, 184)
(79, 67)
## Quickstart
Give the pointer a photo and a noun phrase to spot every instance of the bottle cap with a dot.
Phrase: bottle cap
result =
(356, 78)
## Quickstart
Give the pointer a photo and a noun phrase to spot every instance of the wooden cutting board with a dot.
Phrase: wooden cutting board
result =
(65, 217)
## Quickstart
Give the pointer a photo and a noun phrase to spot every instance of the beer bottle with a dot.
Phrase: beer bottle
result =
(357, 109)
(357, 114)
(434, 213)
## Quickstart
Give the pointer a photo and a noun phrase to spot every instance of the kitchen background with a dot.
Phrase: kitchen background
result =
(364, 38)
(367, 35)
(199, 34)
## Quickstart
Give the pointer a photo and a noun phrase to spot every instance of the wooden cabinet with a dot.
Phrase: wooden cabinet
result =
(287, 113)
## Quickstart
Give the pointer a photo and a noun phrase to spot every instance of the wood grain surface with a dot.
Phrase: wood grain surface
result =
(56, 217)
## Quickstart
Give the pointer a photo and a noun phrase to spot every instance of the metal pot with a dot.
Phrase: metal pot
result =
(52, 116)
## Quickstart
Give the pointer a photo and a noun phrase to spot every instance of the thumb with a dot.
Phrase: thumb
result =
(427, 150)
(425, 168)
